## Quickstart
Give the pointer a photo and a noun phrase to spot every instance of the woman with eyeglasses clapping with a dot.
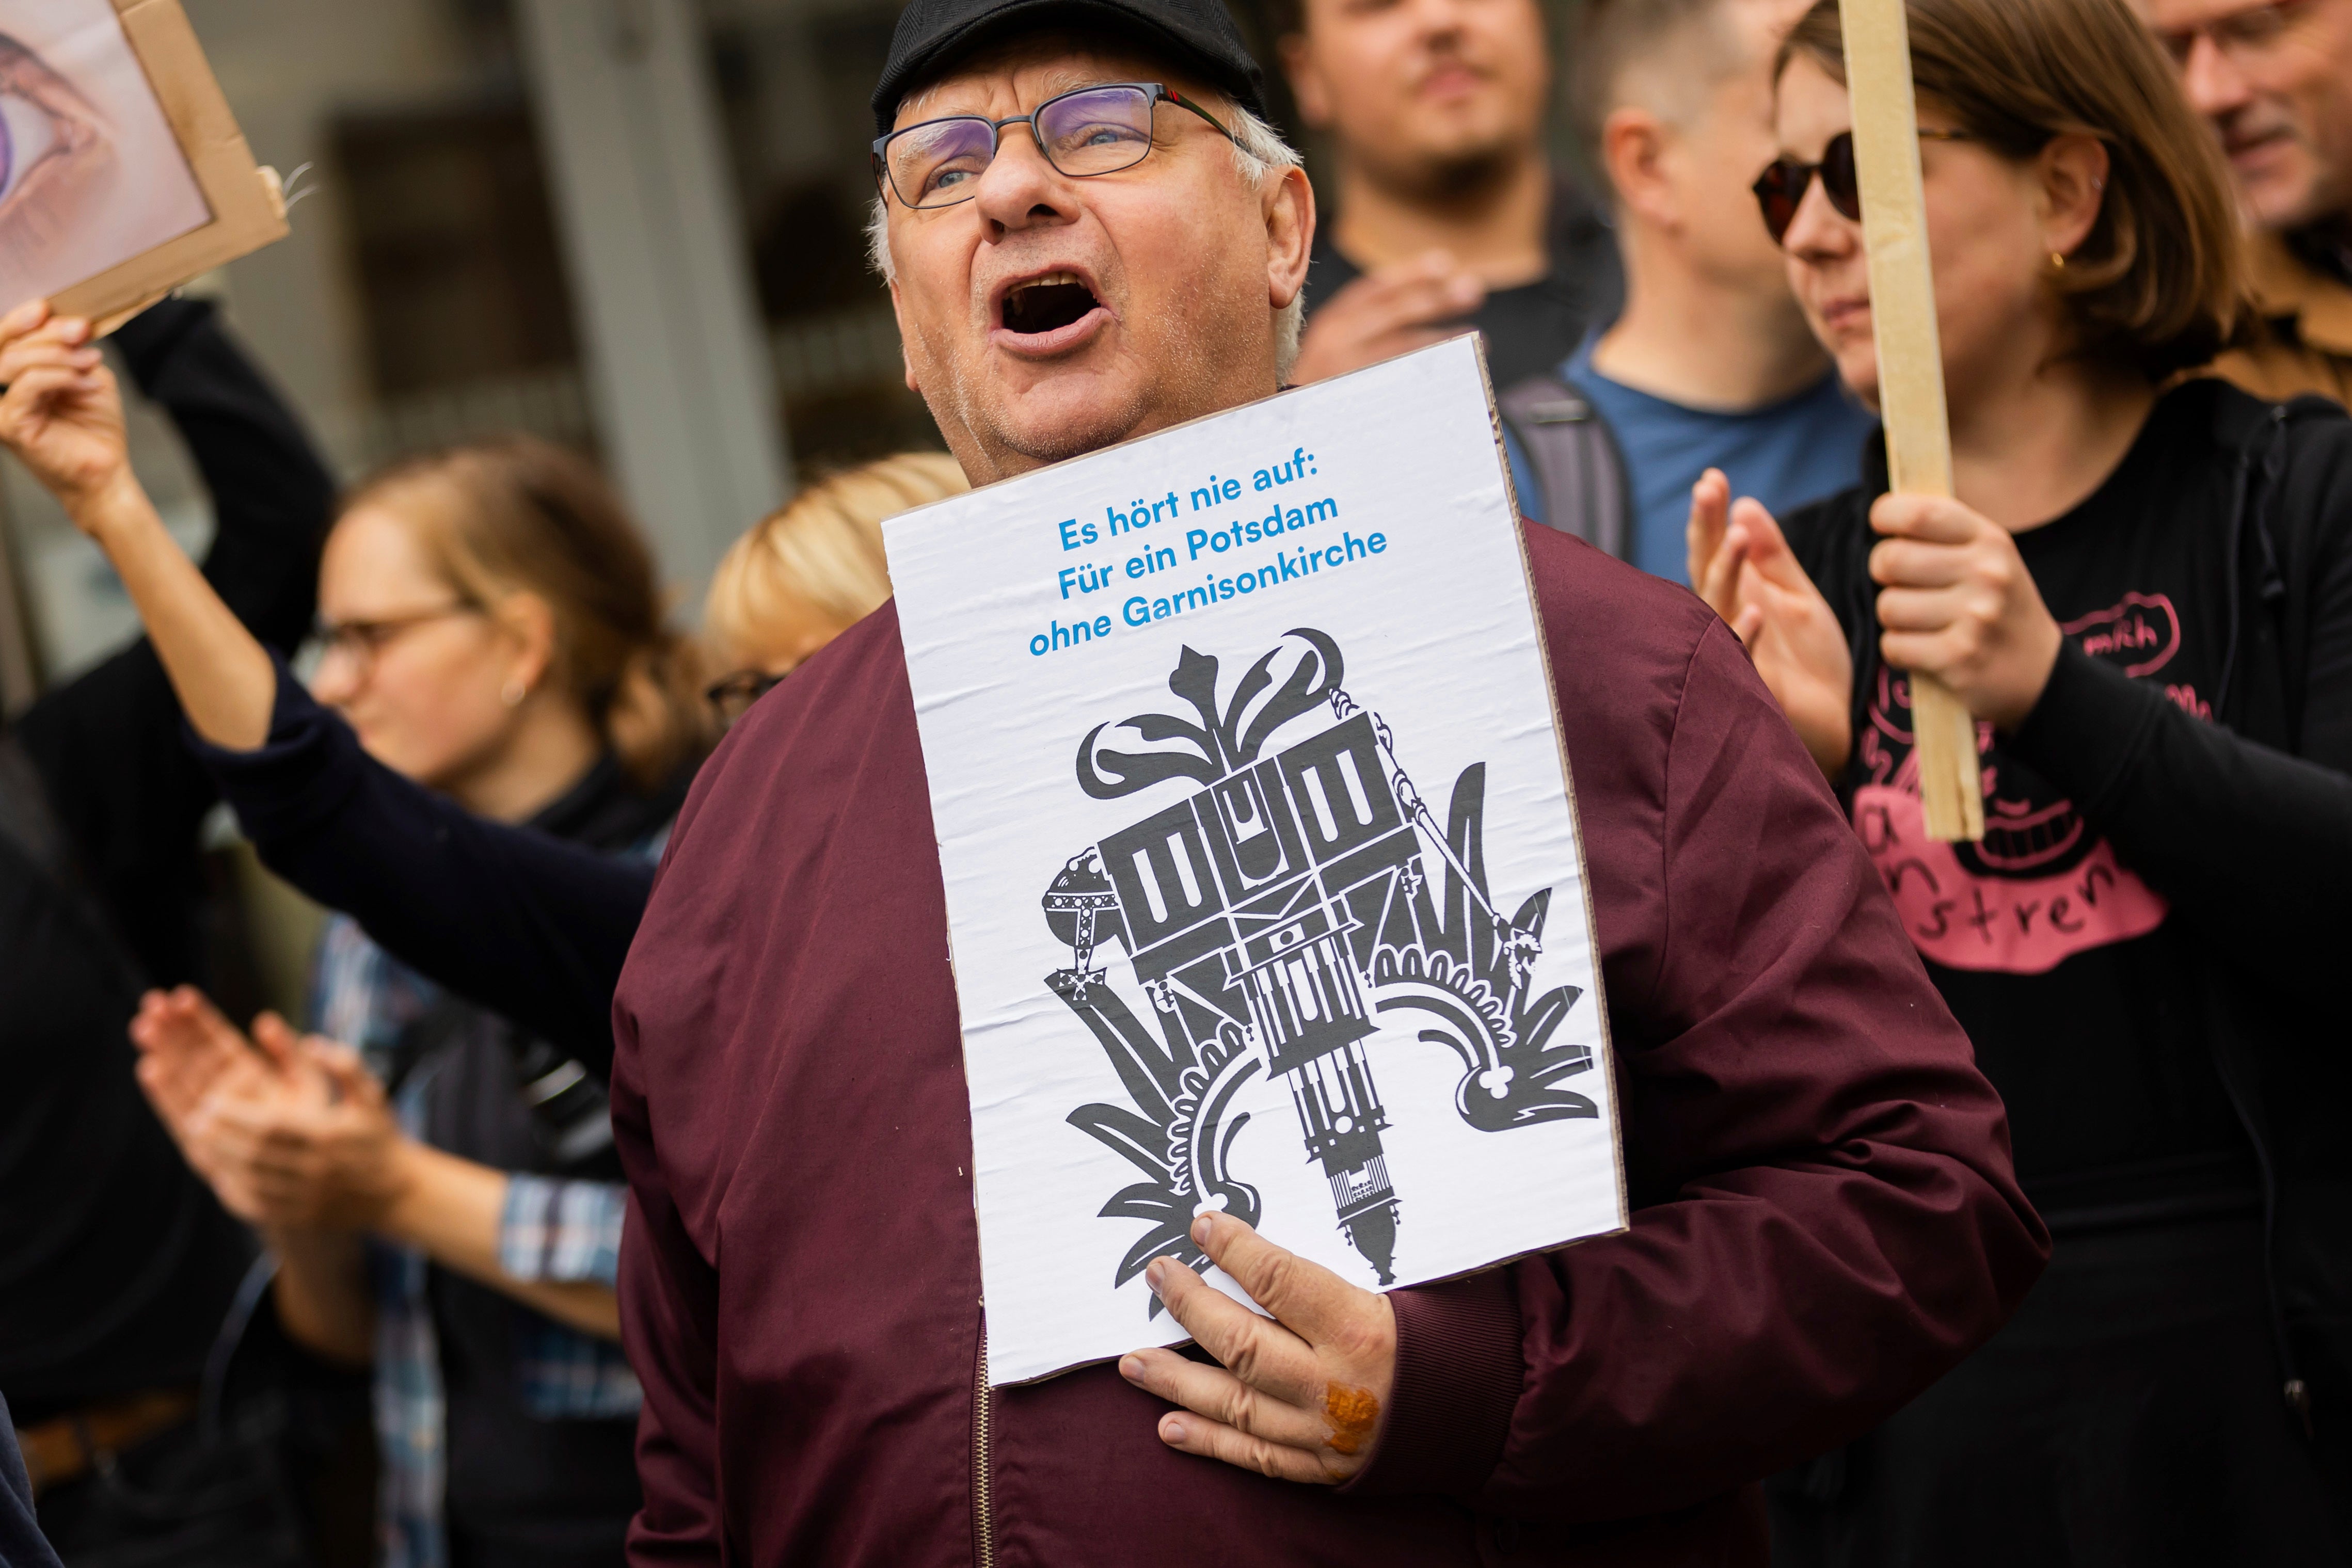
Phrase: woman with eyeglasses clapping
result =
(444, 1202)
(2143, 592)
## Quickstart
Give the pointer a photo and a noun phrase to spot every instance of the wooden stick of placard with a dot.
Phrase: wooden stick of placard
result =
(1910, 363)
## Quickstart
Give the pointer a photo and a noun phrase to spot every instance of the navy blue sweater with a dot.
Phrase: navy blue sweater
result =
(515, 920)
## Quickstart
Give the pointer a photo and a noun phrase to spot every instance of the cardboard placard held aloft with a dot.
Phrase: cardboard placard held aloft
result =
(123, 173)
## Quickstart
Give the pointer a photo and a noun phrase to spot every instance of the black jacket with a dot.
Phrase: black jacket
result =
(116, 1264)
(2243, 824)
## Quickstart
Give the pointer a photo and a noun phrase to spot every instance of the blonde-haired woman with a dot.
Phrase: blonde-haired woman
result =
(808, 571)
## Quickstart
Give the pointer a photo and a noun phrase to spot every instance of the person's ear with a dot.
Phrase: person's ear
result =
(1634, 145)
(906, 357)
(2074, 170)
(529, 624)
(1289, 202)
(1308, 88)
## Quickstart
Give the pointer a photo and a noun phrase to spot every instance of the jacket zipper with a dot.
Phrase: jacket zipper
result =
(983, 1518)
(2256, 482)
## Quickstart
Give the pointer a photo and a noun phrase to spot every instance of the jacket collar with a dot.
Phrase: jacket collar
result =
(2287, 286)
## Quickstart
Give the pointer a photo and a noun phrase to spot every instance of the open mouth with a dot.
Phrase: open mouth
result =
(1047, 304)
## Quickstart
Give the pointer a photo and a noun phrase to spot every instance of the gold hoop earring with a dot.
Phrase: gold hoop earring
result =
(2057, 261)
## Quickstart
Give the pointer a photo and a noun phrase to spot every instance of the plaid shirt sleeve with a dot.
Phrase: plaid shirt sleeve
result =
(561, 1232)
(565, 1232)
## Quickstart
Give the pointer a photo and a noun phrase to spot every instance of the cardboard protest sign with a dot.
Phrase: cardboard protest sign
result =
(122, 174)
(1263, 873)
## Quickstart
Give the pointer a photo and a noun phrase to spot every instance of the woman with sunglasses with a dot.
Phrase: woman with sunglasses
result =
(2143, 592)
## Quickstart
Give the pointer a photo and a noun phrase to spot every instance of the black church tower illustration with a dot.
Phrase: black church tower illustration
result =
(1273, 916)
(1239, 891)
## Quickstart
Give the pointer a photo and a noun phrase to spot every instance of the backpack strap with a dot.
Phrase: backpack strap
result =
(1576, 461)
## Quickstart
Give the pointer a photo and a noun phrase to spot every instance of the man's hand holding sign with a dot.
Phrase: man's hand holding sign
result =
(1297, 1396)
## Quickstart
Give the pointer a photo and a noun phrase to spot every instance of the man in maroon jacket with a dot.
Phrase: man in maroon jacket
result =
(1824, 1218)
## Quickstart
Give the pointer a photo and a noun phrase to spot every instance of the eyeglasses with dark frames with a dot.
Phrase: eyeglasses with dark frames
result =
(1780, 189)
(362, 641)
(1088, 130)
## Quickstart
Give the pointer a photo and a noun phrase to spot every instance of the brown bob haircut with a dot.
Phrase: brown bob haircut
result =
(2158, 284)
(515, 514)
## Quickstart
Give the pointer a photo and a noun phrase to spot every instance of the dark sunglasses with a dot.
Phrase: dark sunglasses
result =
(1780, 189)
(1091, 130)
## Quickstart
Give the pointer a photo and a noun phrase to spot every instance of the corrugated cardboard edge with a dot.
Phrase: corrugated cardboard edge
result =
(1608, 1062)
(247, 211)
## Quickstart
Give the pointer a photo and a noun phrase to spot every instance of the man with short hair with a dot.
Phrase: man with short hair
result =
(1824, 1216)
(1449, 214)
(2275, 78)
(1711, 364)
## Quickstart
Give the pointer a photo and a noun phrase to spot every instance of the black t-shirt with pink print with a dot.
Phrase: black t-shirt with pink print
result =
(2068, 956)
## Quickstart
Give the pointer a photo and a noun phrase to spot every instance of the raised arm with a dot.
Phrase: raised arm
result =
(62, 416)
(272, 494)
(108, 745)
(522, 922)
(531, 927)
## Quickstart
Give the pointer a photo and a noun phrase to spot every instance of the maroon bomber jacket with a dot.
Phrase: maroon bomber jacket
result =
(1825, 1215)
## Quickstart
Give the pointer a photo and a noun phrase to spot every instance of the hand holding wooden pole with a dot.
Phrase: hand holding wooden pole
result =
(1910, 363)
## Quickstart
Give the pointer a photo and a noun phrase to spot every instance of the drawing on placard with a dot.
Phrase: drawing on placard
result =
(1296, 905)
(91, 173)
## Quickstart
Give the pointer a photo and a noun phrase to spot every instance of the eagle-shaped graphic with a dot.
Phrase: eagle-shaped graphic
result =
(1275, 917)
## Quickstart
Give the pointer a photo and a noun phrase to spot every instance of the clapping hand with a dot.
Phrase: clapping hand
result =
(1299, 1395)
(190, 1056)
(289, 1131)
(1741, 563)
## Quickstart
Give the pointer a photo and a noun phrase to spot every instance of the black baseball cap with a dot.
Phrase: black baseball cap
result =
(1198, 33)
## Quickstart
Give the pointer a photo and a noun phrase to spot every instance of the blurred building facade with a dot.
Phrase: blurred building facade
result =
(631, 225)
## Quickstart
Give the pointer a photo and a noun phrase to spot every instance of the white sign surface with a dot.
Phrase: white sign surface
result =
(1263, 877)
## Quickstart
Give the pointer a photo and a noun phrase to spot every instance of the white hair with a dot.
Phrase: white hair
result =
(1260, 154)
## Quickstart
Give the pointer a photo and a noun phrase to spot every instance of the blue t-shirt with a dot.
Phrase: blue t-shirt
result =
(1799, 449)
